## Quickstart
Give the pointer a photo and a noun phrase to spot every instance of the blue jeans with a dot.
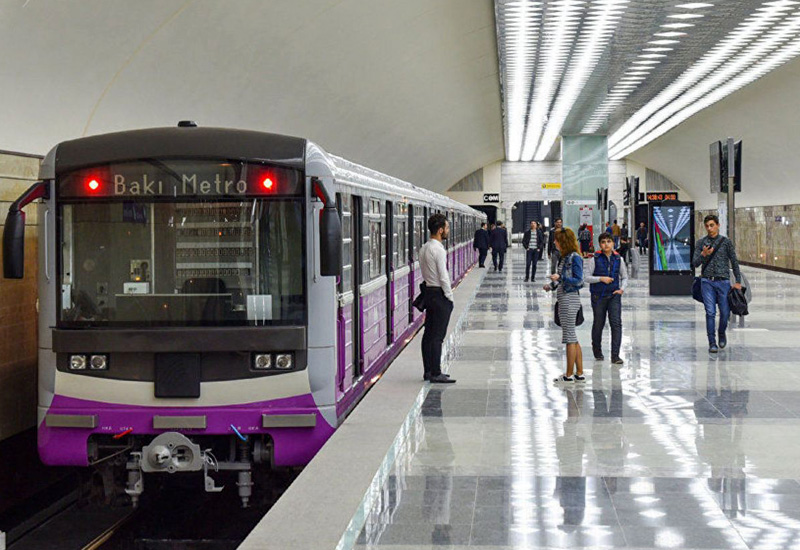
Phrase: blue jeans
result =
(715, 293)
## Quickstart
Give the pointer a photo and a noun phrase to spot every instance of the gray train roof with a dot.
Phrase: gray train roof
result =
(187, 142)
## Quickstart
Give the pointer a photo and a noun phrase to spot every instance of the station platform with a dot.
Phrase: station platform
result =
(677, 448)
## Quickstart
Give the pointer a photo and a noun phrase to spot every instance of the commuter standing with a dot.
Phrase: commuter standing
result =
(533, 243)
(585, 239)
(438, 298)
(498, 240)
(641, 237)
(481, 244)
(715, 255)
(552, 251)
(608, 278)
(567, 281)
(616, 232)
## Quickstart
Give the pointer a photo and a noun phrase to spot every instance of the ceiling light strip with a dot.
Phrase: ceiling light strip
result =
(775, 60)
(708, 63)
(783, 31)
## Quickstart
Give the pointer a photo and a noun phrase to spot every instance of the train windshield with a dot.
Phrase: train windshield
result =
(189, 261)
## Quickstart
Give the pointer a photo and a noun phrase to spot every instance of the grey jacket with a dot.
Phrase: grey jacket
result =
(718, 265)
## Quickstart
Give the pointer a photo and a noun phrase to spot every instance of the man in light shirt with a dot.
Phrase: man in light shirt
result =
(438, 299)
(607, 277)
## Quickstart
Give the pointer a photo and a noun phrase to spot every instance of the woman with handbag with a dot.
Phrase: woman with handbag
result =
(567, 282)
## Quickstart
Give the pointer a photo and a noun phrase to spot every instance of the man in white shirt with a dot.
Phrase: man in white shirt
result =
(438, 299)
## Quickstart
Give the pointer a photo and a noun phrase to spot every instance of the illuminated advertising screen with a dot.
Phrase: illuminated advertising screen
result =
(671, 238)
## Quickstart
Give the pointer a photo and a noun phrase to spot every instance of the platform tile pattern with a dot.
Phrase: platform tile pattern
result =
(676, 449)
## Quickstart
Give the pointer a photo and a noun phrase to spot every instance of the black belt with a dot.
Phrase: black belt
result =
(717, 278)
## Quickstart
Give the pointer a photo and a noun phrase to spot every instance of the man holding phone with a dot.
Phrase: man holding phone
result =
(714, 253)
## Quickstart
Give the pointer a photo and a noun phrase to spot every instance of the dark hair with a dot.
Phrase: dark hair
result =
(615, 221)
(500, 224)
(483, 224)
(557, 220)
(605, 237)
(436, 222)
(711, 217)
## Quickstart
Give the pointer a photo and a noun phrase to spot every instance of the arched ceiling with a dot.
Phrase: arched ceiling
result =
(407, 87)
(766, 116)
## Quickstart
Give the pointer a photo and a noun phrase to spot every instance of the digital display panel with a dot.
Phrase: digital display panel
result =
(180, 179)
(658, 196)
(671, 238)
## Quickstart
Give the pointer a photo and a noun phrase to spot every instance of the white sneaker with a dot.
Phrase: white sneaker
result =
(563, 379)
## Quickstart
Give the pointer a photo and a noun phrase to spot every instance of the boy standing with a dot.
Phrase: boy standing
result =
(715, 253)
(608, 278)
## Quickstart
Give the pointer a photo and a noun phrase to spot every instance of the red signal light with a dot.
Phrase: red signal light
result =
(268, 184)
(93, 184)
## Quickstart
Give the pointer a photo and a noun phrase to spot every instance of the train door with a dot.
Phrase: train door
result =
(358, 277)
(391, 236)
(412, 256)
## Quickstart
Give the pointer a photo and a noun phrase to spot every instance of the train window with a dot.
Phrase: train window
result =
(400, 251)
(344, 203)
(213, 262)
(377, 246)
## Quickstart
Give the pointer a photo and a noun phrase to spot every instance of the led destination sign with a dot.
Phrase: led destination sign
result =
(180, 179)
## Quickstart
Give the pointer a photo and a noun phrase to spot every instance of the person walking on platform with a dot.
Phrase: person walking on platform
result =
(607, 277)
(533, 243)
(714, 254)
(616, 231)
(585, 239)
(641, 237)
(567, 282)
(498, 240)
(481, 243)
(552, 251)
(438, 299)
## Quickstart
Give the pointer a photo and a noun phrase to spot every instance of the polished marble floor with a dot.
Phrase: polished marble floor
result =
(676, 449)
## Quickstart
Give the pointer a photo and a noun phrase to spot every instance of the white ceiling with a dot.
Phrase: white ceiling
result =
(408, 87)
(765, 116)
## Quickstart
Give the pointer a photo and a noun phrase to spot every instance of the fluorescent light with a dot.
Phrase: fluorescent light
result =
(694, 6)
(652, 55)
(670, 33)
(678, 25)
(660, 42)
(658, 49)
(685, 16)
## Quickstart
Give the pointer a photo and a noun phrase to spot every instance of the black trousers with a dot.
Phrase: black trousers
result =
(531, 259)
(498, 256)
(482, 253)
(437, 316)
(610, 306)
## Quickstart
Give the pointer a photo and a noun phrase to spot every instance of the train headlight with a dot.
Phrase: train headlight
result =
(262, 361)
(283, 361)
(77, 362)
(98, 362)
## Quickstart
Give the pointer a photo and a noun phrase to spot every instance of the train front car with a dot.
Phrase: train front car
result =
(175, 325)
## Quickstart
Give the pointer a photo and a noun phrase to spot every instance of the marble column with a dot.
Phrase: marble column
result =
(584, 171)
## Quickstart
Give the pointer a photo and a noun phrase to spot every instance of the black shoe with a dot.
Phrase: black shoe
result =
(599, 355)
(712, 348)
(723, 341)
(526, 279)
(442, 379)
(617, 361)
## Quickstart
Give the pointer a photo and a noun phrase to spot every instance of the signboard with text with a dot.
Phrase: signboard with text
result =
(656, 196)
(491, 198)
(551, 191)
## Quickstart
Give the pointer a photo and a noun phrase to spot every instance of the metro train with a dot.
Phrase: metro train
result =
(216, 299)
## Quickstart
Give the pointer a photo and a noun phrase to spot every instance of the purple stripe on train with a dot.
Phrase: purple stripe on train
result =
(292, 446)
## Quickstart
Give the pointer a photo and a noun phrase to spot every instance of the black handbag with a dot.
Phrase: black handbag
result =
(578, 319)
(737, 300)
(419, 301)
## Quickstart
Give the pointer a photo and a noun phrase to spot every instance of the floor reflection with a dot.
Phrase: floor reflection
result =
(677, 449)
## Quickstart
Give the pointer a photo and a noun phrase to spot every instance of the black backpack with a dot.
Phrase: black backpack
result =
(738, 301)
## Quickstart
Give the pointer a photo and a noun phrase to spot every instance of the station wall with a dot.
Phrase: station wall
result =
(18, 322)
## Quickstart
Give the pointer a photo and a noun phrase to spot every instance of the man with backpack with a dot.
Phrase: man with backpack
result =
(608, 278)
(716, 256)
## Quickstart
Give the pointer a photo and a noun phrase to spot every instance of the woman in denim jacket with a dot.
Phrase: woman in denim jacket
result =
(567, 282)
